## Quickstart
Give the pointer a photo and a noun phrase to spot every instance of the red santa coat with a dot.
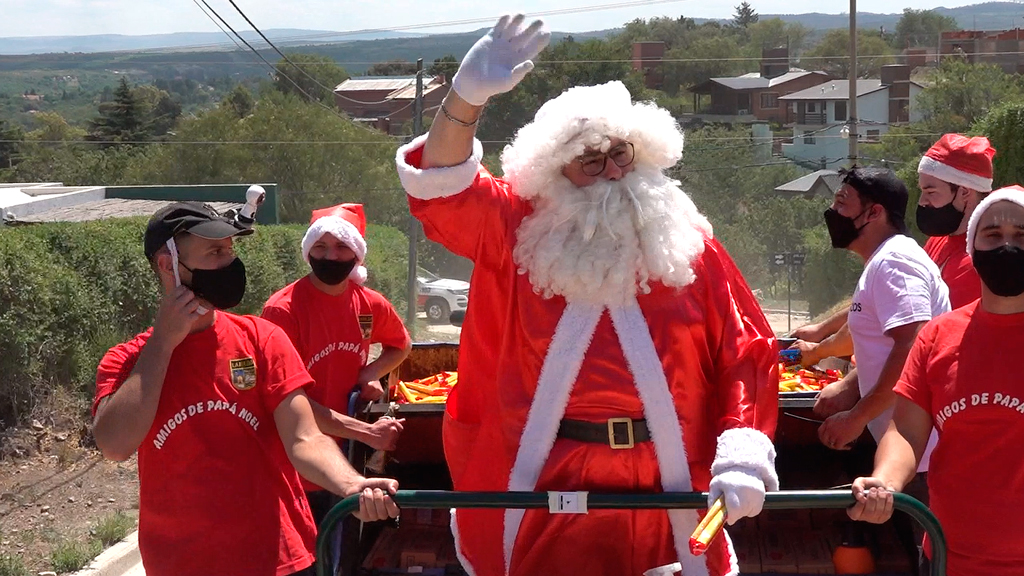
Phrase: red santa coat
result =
(693, 362)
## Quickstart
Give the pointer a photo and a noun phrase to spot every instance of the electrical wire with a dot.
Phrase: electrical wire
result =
(272, 67)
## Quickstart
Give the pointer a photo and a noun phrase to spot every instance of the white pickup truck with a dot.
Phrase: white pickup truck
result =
(439, 297)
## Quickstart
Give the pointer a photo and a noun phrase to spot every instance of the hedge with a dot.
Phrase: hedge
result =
(70, 291)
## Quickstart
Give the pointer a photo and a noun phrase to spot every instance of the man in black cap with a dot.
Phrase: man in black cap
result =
(214, 404)
(899, 291)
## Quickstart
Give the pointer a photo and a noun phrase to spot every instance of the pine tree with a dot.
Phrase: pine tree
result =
(745, 15)
(119, 121)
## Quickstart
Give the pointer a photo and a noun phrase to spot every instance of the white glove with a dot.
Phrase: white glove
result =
(499, 60)
(743, 490)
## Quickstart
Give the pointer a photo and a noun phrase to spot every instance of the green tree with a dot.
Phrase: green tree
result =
(832, 54)
(54, 128)
(961, 93)
(159, 109)
(776, 32)
(392, 68)
(309, 76)
(707, 57)
(240, 101)
(120, 121)
(921, 28)
(745, 15)
(1003, 127)
(317, 158)
(11, 137)
(446, 65)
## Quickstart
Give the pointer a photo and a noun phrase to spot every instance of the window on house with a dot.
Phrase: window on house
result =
(809, 138)
(840, 111)
(812, 107)
(873, 135)
(769, 100)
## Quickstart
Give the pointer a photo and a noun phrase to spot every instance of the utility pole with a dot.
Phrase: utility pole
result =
(852, 120)
(414, 225)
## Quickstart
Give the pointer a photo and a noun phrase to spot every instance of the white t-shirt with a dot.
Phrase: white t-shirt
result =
(900, 285)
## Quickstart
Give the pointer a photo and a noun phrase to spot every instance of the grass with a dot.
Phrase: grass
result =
(113, 528)
(12, 566)
(72, 555)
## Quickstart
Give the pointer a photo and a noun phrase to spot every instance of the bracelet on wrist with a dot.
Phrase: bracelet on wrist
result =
(455, 120)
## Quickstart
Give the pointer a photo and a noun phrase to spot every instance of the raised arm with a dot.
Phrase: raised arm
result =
(123, 417)
(494, 65)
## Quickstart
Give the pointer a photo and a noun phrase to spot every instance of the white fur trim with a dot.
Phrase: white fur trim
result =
(561, 366)
(734, 563)
(1013, 194)
(339, 228)
(947, 173)
(436, 182)
(470, 571)
(358, 275)
(749, 449)
(663, 423)
(587, 116)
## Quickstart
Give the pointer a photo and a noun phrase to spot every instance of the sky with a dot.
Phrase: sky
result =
(136, 17)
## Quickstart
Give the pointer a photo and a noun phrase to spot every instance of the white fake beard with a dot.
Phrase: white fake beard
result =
(604, 243)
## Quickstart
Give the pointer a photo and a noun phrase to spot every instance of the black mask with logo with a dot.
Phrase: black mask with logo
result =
(941, 221)
(221, 287)
(842, 229)
(331, 272)
(1001, 269)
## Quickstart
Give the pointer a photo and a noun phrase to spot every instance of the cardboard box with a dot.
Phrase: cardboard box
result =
(814, 555)
(746, 544)
(777, 553)
(384, 553)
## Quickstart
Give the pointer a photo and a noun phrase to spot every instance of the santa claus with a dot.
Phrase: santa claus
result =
(610, 345)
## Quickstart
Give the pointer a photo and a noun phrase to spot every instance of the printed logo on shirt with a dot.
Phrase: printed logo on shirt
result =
(855, 307)
(366, 325)
(243, 373)
(984, 399)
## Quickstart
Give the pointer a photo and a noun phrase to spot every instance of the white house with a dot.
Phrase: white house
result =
(821, 113)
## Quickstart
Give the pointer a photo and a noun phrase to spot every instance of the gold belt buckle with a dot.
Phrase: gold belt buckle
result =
(629, 433)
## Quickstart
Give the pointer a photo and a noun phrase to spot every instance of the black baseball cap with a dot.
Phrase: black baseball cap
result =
(195, 218)
(881, 186)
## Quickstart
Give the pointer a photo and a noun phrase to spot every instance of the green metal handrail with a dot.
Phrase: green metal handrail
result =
(667, 500)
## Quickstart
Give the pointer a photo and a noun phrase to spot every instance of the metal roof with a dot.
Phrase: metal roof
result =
(389, 84)
(409, 92)
(107, 208)
(754, 81)
(838, 90)
(809, 183)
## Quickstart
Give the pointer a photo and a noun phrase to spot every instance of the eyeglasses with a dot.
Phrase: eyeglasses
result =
(594, 164)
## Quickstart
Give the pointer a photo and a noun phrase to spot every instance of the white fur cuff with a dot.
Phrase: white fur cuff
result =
(750, 449)
(436, 182)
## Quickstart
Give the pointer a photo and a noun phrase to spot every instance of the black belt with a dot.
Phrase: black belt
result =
(618, 433)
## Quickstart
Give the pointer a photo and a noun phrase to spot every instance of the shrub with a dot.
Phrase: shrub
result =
(70, 291)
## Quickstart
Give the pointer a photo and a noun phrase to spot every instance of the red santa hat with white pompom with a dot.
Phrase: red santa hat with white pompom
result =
(347, 223)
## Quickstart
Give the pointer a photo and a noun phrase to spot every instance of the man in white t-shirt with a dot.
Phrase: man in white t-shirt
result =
(900, 290)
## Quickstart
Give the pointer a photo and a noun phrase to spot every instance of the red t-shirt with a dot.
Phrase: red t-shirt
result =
(217, 493)
(964, 369)
(333, 335)
(950, 254)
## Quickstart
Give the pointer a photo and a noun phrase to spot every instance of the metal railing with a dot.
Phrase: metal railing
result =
(802, 499)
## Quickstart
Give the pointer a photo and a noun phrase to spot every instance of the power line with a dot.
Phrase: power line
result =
(421, 26)
(396, 140)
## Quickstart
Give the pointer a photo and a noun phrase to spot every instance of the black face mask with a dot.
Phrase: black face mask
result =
(842, 229)
(331, 272)
(1001, 269)
(221, 287)
(941, 221)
